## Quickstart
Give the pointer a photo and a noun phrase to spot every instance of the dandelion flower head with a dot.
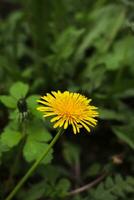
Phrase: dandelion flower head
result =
(68, 108)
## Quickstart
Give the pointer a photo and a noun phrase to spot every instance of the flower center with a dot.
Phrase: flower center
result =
(67, 114)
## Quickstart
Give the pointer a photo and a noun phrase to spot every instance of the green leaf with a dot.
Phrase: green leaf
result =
(127, 93)
(96, 73)
(112, 61)
(113, 189)
(71, 153)
(33, 150)
(3, 148)
(35, 192)
(8, 101)
(38, 135)
(125, 133)
(32, 105)
(93, 170)
(10, 137)
(97, 34)
(64, 46)
(62, 187)
(121, 55)
(15, 115)
(38, 132)
(110, 114)
(19, 90)
(109, 182)
(52, 173)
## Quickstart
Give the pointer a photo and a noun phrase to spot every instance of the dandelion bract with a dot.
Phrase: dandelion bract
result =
(68, 108)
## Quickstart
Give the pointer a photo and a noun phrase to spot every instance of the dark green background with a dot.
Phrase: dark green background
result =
(80, 46)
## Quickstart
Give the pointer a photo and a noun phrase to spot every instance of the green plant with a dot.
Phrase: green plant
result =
(113, 188)
(81, 46)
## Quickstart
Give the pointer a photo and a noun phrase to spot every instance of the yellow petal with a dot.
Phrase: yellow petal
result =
(85, 126)
(66, 124)
(55, 118)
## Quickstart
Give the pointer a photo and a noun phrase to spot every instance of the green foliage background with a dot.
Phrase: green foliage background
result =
(81, 46)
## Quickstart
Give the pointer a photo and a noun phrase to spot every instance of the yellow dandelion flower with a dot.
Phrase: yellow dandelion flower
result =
(69, 108)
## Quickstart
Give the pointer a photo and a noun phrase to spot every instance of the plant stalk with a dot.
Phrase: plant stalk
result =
(34, 166)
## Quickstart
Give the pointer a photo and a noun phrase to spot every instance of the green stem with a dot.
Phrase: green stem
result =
(34, 166)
